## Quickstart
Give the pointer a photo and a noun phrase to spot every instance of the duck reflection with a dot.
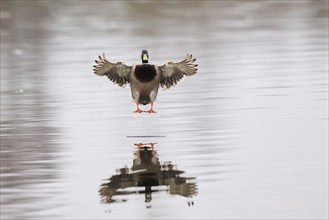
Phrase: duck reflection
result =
(146, 176)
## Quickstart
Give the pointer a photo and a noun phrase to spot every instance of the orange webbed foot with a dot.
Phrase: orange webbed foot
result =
(138, 111)
(151, 111)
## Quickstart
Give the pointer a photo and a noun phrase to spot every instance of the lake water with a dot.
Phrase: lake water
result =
(245, 138)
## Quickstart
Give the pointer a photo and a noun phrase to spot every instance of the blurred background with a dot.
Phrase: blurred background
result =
(250, 128)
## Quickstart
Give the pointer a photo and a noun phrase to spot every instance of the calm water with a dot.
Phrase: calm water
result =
(245, 138)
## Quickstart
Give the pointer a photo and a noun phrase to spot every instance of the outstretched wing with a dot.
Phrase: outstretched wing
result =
(116, 72)
(172, 72)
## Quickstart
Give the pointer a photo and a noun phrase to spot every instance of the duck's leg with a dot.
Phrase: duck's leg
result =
(138, 109)
(151, 110)
(152, 147)
(139, 149)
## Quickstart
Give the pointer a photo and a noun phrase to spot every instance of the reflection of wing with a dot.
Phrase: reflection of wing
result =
(183, 189)
(184, 186)
(116, 72)
(110, 189)
(172, 72)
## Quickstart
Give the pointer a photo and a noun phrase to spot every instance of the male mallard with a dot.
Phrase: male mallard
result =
(145, 78)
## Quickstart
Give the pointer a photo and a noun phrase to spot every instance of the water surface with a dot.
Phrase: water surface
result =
(249, 130)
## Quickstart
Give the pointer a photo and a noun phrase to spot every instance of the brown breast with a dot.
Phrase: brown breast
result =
(145, 72)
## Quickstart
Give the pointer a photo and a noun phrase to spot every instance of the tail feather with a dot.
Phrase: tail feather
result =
(144, 99)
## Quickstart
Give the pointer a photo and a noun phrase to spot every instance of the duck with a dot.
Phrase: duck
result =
(145, 78)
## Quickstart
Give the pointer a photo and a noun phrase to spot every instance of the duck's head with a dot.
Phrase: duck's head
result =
(145, 56)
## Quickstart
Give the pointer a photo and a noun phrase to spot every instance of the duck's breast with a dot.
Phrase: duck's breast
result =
(145, 72)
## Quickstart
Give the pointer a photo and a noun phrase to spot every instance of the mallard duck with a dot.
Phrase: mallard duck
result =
(145, 78)
(147, 171)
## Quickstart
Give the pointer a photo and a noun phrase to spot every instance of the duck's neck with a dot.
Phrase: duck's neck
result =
(145, 61)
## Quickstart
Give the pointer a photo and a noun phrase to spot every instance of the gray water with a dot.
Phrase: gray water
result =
(247, 136)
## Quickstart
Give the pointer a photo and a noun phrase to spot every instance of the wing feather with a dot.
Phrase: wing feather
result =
(172, 72)
(116, 72)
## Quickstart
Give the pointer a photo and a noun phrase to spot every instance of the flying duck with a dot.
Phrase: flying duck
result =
(145, 78)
